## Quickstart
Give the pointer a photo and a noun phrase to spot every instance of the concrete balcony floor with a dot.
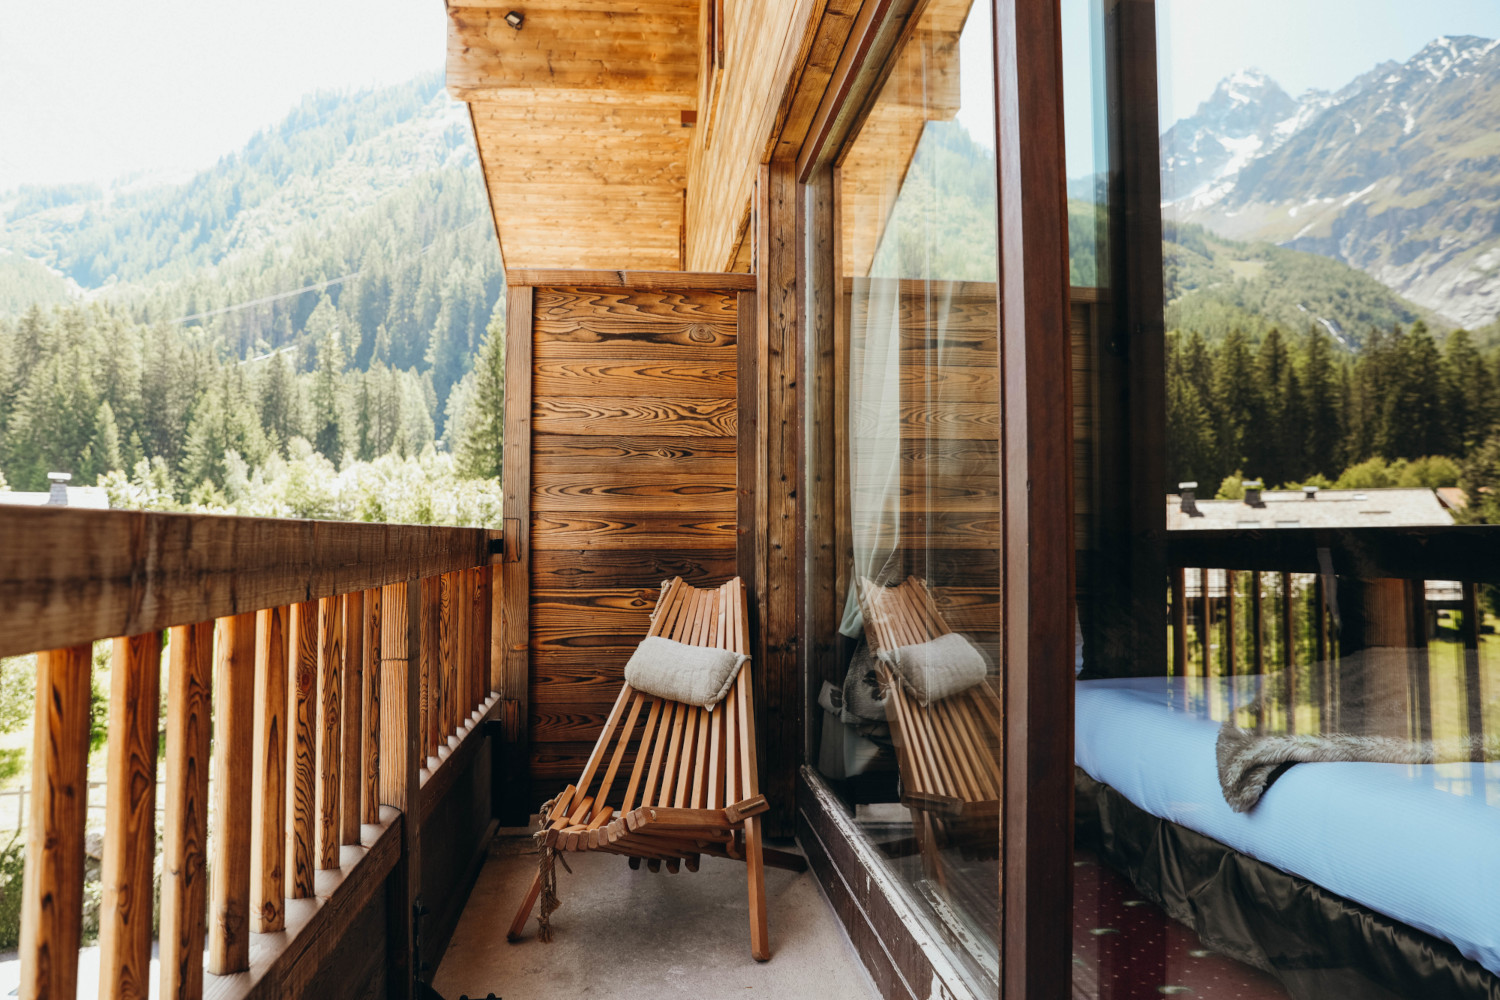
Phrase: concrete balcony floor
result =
(626, 934)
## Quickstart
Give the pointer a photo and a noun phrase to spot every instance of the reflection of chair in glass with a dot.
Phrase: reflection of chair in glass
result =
(693, 787)
(948, 750)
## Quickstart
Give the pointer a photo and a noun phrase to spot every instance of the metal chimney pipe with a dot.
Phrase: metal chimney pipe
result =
(57, 496)
(1188, 494)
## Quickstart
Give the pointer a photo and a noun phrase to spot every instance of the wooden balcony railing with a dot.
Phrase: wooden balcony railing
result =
(323, 672)
(1330, 592)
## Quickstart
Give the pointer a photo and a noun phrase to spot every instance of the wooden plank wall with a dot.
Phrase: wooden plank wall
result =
(634, 480)
(950, 449)
(950, 402)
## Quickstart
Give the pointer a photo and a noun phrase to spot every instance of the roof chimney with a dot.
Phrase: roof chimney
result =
(1252, 489)
(1189, 496)
(1309, 493)
(58, 495)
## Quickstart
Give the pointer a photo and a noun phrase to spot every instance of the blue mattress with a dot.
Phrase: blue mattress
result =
(1418, 843)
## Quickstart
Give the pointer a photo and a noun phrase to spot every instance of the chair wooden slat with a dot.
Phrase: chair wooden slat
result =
(622, 738)
(659, 752)
(683, 784)
(597, 755)
(636, 772)
(699, 798)
(731, 740)
(675, 752)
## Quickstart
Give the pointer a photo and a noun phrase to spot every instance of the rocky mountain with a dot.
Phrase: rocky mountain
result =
(1396, 174)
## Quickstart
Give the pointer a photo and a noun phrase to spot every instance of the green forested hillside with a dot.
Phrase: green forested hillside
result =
(318, 297)
(1214, 285)
(25, 283)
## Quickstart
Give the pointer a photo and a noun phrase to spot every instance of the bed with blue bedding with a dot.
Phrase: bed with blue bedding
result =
(1416, 843)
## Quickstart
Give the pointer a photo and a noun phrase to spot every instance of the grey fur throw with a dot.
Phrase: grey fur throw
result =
(1370, 707)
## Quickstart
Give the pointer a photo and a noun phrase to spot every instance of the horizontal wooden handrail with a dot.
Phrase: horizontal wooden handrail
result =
(636, 281)
(1456, 552)
(70, 576)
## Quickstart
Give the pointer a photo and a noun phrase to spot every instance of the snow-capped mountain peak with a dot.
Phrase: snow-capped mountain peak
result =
(1390, 173)
(1242, 119)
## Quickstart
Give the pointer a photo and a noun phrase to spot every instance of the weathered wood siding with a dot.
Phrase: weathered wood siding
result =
(950, 413)
(633, 480)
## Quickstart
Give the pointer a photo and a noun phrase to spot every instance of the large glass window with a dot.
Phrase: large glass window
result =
(909, 726)
(1295, 791)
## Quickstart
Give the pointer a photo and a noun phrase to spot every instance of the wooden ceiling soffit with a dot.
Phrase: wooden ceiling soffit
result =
(578, 116)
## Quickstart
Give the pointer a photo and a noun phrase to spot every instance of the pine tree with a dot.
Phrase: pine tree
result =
(1274, 450)
(1416, 424)
(225, 420)
(1470, 391)
(105, 445)
(280, 412)
(328, 437)
(1191, 452)
(1236, 390)
(479, 445)
(1322, 406)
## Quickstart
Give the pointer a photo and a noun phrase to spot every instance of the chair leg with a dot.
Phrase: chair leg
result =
(518, 925)
(760, 939)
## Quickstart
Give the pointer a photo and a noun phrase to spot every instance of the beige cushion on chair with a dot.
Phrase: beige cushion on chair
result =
(939, 668)
(676, 671)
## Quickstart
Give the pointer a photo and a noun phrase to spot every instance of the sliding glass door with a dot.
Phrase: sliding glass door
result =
(908, 720)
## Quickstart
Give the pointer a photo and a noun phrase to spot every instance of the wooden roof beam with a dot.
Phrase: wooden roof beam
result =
(628, 53)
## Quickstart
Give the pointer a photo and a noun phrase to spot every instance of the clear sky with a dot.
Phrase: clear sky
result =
(1301, 44)
(90, 89)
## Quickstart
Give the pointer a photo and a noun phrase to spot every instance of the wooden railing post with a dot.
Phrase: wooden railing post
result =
(370, 793)
(448, 650)
(301, 797)
(268, 809)
(184, 887)
(1473, 697)
(1320, 632)
(394, 670)
(52, 889)
(496, 615)
(432, 668)
(1207, 623)
(1179, 621)
(1231, 579)
(1257, 624)
(1289, 651)
(234, 755)
(1418, 657)
(400, 667)
(330, 740)
(481, 624)
(352, 728)
(130, 818)
(463, 646)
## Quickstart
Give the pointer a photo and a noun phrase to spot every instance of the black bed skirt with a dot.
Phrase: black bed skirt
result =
(1321, 946)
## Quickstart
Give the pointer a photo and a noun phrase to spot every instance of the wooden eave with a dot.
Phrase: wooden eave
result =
(578, 117)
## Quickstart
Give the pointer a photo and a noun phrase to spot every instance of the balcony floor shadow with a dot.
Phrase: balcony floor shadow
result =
(625, 934)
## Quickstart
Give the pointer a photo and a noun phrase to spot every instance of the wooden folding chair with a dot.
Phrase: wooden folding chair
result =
(693, 788)
(947, 752)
